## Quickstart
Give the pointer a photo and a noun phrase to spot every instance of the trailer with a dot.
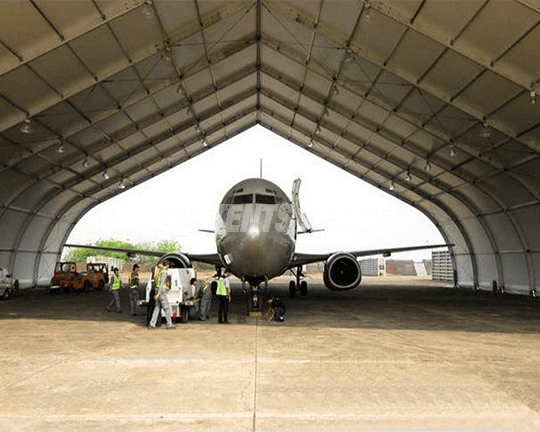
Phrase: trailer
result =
(182, 298)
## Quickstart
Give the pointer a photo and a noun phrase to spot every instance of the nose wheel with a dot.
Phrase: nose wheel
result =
(254, 298)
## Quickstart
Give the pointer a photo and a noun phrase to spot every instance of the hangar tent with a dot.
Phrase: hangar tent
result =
(434, 101)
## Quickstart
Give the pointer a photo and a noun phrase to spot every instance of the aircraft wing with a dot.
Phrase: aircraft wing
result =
(300, 259)
(204, 258)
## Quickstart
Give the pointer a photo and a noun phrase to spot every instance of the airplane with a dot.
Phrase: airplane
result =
(256, 231)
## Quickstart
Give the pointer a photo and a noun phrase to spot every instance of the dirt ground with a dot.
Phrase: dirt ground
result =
(393, 355)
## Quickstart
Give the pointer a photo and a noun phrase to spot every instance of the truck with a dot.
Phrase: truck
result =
(66, 278)
(182, 297)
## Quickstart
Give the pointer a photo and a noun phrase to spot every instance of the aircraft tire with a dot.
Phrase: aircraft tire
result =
(303, 288)
(292, 289)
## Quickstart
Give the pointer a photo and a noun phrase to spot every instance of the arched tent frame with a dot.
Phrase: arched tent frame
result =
(433, 97)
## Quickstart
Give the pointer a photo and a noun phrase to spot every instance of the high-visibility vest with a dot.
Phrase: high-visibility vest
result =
(205, 286)
(157, 277)
(134, 280)
(117, 282)
(221, 288)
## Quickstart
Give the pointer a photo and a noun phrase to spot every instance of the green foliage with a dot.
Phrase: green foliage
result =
(80, 254)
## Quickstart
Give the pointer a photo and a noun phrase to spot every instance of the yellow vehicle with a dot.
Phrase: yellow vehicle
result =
(66, 277)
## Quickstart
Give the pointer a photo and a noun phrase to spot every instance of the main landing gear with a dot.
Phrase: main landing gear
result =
(294, 286)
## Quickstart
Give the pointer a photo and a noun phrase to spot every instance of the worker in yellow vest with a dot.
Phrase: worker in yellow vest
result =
(223, 294)
(116, 285)
(203, 291)
(161, 299)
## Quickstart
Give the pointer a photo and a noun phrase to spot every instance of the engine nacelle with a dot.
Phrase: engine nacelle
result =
(176, 260)
(342, 272)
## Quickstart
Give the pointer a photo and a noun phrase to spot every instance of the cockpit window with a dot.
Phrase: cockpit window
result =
(243, 199)
(265, 199)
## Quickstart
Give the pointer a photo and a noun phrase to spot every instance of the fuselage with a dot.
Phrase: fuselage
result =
(255, 230)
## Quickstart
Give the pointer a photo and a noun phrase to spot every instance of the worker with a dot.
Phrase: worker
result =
(115, 291)
(203, 291)
(162, 301)
(278, 308)
(156, 274)
(134, 290)
(224, 297)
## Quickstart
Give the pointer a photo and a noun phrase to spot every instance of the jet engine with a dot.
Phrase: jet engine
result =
(176, 260)
(342, 272)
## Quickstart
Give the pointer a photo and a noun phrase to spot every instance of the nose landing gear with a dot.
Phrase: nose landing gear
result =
(255, 297)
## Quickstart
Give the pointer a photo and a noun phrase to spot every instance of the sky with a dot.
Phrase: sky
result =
(176, 204)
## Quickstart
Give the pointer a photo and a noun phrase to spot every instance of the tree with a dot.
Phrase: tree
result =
(81, 254)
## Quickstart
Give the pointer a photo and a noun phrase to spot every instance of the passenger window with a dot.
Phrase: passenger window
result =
(265, 199)
(243, 199)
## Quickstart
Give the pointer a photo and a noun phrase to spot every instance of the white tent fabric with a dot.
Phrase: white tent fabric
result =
(435, 97)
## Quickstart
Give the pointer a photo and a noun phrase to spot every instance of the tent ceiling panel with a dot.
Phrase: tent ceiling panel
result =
(487, 272)
(519, 115)
(508, 240)
(23, 88)
(141, 110)
(135, 43)
(453, 122)
(61, 69)
(153, 68)
(392, 92)
(369, 37)
(414, 55)
(478, 237)
(508, 191)
(9, 113)
(488, 35)
(514, 267)
(11, 218)
(70, 18)
(123, 85)
(452, 73)
(26, 32)
(288, 68)
(479, 197)
(344, 19)
(63, 119)
(510, 153)
(31, 196)
(530, 217)
(326, 55)
(529, 176)
(115, 122)
(53, 207)
(93, 102)
(32, 232)
(487, 93)
(175, 15)
(523, 60)
(100, 52)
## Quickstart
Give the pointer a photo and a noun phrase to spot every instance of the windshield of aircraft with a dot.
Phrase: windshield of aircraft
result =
(265, 199)
(242, 199)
